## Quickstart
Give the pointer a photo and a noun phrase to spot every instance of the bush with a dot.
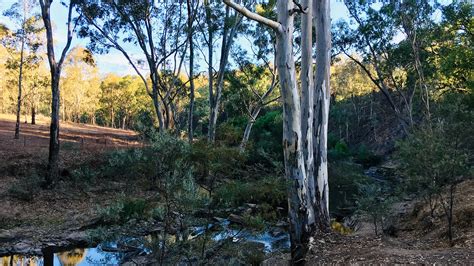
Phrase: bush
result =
(373, 202)
(84, 174)
(26, 188)
(366, 157)
(230, 133)
(267, 134)
(438, 155)
(214, 164)
(339, 152)
(124, 210)
(343, 183)
(269, 190)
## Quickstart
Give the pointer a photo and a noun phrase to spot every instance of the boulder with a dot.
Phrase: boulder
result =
(234, 218)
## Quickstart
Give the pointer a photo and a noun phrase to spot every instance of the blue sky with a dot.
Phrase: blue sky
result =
(114, 61)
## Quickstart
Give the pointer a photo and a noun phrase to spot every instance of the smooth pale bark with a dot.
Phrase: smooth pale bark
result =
(295, 170)
(322, 96)
(248, 127)
(191, 70)
(255, 111)
(307, 94)
(55, 70)
(304, 209)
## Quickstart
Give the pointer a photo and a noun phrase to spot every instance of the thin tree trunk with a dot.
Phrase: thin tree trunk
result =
(33, 115)
(210, 54)
(55, 70)
(157, 106)
(248, 128)
(20, 80)
(307, 101)
(191, 71)
(53, 159)
(227, 41)
(322, 23)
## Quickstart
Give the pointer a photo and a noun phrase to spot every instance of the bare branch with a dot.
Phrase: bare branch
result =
(254, 16)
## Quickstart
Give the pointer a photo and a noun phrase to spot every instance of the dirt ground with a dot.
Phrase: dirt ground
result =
(416, 240)
(35, 137)
(71, 204)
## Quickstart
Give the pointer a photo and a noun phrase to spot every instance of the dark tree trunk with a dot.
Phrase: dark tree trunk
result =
(53, 160)
(55, 70)
(19, 101)
(33, 115)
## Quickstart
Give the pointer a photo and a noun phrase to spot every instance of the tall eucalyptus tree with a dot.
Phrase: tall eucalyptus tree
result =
(22, 40)
(158, 29)
(302, 141)
(55, 70)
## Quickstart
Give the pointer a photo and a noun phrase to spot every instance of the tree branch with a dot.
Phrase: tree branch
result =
(254, 16)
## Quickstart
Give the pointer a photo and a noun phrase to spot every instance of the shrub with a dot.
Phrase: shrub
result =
(26, 188)
(373, 203)
(436, 156)
(339, 152)
(123, 210)
(269, 190)
(255, 222)
(366, 157)
(84, 174)
(343, 183)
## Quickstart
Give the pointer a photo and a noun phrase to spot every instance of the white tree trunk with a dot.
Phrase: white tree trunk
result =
(322, 23)
(305, 121)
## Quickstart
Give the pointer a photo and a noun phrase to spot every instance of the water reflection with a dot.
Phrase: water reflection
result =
(19, 260)
(73, 257)
(117, 252)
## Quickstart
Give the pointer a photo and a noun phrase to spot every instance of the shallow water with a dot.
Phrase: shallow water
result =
(272, 242)
(110, 253)
(76, 256)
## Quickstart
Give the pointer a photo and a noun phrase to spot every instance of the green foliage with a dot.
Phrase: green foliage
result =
(84, 174)
(269, 190)
(366, 157)
(216, 163)
(267, 134)
(343, 182)
(130, 163)
(339, 152)
(230, 132)
(438, 154)
(373, 202)
(124, 210)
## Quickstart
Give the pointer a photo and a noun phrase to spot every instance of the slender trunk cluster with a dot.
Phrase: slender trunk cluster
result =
(305, 115)
(228, 35)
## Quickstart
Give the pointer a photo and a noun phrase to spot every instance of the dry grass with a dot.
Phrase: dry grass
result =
(36, 137)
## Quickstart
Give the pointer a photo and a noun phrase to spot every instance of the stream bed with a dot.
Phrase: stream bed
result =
(120, 251)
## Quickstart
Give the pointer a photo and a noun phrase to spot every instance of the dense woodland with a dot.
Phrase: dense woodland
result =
(268, 113)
